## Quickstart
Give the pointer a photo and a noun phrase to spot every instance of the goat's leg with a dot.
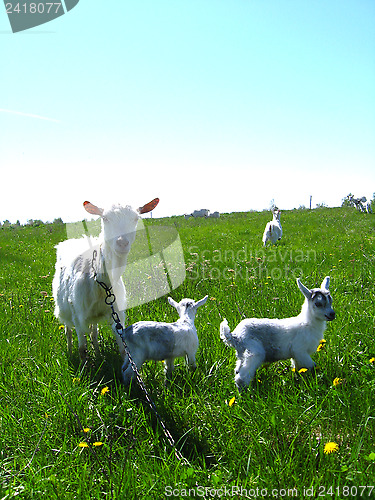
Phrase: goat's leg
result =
(69, 340)
(303, 360)
(82, 343)
(127, 369)
(191, 360)
(169, 367)
(94, 338)
(246, 368)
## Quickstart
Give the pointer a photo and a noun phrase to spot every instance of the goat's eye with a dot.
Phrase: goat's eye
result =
(318, 304)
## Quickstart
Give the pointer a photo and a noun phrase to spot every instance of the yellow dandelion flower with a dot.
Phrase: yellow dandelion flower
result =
(83, 444)
(320, 347)
(337, 381)
(76, 380)
(330, 448)
(231, 401)
(86, 429)
(61, 327)
(372, 360)
(97, 443)
(104, 390)
(302, 370)
(340, 260)
(51, 299)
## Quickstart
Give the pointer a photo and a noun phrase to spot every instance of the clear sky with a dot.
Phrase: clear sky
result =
(218, 104)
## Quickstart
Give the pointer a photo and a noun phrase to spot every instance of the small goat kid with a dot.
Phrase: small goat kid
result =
(259, 341)
(150, 340)
(273, 230)
(79, 300)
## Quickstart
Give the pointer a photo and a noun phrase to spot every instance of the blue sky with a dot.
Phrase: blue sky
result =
(218, 104)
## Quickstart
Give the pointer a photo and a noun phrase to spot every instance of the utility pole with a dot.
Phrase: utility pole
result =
(310, 200)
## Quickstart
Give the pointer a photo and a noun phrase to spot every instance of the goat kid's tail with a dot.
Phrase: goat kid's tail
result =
(225, 333)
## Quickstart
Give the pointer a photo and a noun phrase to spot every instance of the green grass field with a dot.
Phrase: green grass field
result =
(64, 437)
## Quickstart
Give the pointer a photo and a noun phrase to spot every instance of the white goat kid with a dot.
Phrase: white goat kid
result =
(259, 341)
(79, 299)
(151, 340)
(273, 230)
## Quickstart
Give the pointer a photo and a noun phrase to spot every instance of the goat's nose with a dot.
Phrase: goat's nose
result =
(122, 243)
(331, 315)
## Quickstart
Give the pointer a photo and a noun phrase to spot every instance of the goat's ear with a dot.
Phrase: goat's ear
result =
(325, 283)
(148, 207)
(201, 302)
(92, 209)
(173, 303)
(306, 292)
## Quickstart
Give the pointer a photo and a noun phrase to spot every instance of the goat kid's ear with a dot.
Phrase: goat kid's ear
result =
(172, 302)
(306, 292)
(148, 207)
(325, 283)
(92, 209)
(201, 302)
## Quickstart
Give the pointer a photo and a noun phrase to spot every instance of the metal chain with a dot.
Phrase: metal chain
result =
(110, 299)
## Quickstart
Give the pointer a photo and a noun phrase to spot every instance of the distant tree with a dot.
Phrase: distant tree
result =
(6, 223)
(372, 203)
(321, 205)
(58, 221)
(347, 201)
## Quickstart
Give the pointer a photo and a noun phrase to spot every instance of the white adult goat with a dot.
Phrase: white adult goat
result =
(151, 340)
(273, 230)
(259, 341)
(79, 299)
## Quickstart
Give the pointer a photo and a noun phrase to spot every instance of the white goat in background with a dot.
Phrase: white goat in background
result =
(151, 340)
(79, 299)
(273, 230)
(259, 341)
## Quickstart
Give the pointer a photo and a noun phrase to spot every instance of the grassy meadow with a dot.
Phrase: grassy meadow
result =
(73, 432)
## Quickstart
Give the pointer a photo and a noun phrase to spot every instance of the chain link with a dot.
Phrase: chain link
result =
(110, 299)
